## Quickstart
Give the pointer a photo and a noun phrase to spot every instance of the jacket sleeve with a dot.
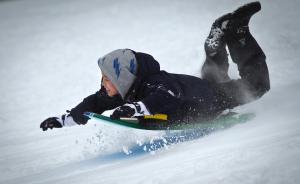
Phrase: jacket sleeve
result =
(98, 103)
(160, 98)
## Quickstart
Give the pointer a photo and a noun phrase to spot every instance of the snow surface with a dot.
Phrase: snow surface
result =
(49, 52)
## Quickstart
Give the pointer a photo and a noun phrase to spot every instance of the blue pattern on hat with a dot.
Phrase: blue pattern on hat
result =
(132, 66)
(117, 67)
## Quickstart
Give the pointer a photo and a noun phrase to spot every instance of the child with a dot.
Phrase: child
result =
(134, 85)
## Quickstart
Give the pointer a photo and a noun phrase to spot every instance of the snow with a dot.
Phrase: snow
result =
(49, 52)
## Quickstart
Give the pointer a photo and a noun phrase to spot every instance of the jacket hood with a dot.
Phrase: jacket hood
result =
(147, 65)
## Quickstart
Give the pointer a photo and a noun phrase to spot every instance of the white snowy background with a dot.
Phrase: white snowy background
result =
(48, 54)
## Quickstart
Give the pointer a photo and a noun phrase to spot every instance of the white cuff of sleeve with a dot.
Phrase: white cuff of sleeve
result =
(68, 121)
(143, 108)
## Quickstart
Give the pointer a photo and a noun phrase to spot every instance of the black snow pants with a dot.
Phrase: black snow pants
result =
(251, 64)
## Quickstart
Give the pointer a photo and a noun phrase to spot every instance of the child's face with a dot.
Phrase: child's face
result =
(109, 87)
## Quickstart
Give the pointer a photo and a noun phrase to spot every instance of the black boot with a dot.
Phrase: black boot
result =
(238, 26)
(215, 40)
(245, 12)
(232, 30)
(215, 67)
(233, 24)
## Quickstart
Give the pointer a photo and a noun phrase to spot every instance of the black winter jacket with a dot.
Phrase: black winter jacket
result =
(183, 98)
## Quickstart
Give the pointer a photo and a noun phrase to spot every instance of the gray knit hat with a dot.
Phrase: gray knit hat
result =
(120, 66)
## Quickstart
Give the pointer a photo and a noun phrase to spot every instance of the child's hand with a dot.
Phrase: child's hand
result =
(58, 122)
(50, 123)
(128, 110)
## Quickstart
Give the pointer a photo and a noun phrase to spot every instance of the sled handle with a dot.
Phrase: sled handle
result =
(153, 116)
(157, 116)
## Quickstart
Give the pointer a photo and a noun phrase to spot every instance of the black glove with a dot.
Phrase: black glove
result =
(50, 123)
(123, 111)
(127, 111)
